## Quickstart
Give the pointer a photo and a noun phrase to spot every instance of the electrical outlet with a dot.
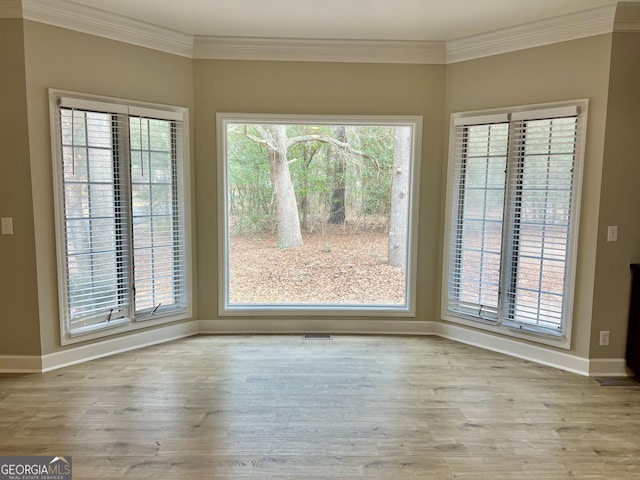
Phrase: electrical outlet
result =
(6, 225)
(612, 234)
(604, 338)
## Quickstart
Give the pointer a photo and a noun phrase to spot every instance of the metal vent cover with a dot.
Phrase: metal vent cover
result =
(317, 336)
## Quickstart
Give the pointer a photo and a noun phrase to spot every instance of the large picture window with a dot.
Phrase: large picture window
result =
(513, 206)
(120, 204)
(318, 215)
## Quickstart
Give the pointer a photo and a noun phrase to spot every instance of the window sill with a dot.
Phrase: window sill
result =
(317, 310)
(511, 330)
(122, 328)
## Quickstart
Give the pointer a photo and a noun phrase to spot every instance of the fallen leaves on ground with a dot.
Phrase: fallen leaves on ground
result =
(338, 267)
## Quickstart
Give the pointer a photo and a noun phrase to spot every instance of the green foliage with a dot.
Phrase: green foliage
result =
(250, 189)
(375, 175)
(315, 173)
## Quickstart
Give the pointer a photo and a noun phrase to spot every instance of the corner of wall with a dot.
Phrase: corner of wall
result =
(18, 285)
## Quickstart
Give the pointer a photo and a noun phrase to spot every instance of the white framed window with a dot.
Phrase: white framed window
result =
(513, 203)
(121, 176)
(372, 160)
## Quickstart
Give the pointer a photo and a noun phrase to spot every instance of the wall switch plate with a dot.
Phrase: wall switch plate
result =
(604, 338)
(6, 225)
(612, 234)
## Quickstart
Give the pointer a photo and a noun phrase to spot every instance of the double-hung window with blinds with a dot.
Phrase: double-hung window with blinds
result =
(119, 173)
(513, 205)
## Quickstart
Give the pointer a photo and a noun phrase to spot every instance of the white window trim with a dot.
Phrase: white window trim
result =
(351, 311)
(131, 324)
(481, 116)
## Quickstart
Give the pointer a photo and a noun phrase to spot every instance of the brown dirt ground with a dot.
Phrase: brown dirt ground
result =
(335, 267)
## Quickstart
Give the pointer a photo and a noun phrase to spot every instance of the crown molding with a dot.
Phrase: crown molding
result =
(623, 17)
(315, 50)
(10, 9)
(73, 16)
(592, 22)
(627, 17)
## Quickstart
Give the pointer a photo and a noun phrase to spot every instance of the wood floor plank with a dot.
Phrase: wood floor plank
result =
(281, 407)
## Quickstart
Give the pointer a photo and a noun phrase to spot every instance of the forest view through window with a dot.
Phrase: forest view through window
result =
(318, 213)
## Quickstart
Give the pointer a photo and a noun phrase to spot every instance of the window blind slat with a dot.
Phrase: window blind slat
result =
(480, 172)
(158, 243)
(512, 210)
(540, 209)
(95, 232)
(122, 207)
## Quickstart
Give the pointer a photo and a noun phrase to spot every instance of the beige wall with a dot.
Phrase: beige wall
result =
(18, 289)
(564, 71)
(56, 58)
(619, 199)
(318, 88)
(68, 60)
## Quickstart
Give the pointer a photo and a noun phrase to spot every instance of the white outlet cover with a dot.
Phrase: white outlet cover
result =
(6, 225)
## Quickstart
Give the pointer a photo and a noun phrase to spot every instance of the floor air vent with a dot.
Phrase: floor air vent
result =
(619, 381)
(317, 336)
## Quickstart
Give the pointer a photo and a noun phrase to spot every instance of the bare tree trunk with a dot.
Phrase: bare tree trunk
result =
(277, 142)
(288, 220)
(338, 214)
(305, 204)
(399, 219)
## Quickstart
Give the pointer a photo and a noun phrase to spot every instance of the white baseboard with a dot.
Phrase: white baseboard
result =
(343, 326)
(601, 367)
(608, 367)
(598, 367)
(515, 348)
(133, 341)
(91, 351)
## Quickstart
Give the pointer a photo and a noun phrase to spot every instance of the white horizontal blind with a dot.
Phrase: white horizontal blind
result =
(480, 175)
(96, 229)
(158, 233)
(122, 213)
(539, 206)
(511, 218)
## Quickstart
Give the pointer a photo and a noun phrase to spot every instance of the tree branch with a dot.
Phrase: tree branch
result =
(262, 139)
(331, 141)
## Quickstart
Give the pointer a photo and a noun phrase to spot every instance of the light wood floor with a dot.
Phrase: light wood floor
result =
(280, 407)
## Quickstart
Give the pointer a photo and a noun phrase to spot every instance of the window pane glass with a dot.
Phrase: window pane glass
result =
(74, 163)
(511, 225)
(157, 240)
(542, 212)
(162, 203)
(141, 200)
(160, 167)
(95, 285)
(481, 160)
(318, 215)
(122, 227)
(139, 166)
